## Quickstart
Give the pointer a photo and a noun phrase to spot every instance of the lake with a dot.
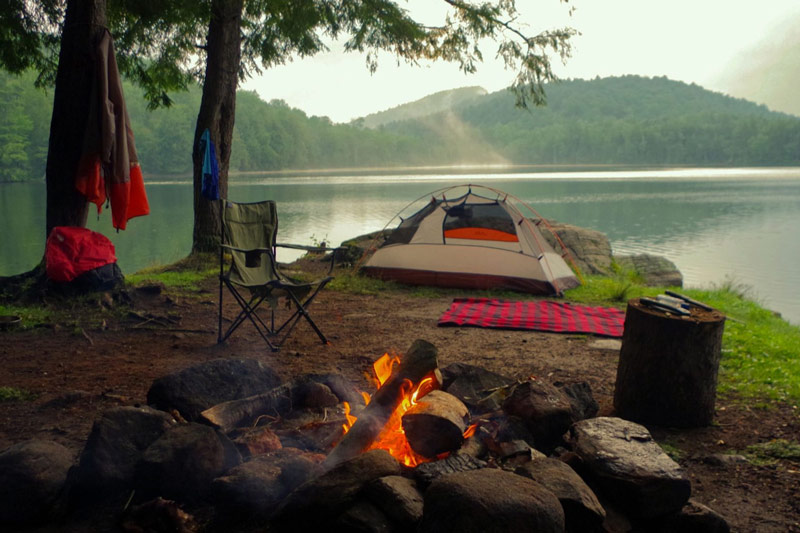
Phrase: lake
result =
(714, 224)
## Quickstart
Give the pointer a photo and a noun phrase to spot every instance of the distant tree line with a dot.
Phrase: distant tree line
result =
(625, 120)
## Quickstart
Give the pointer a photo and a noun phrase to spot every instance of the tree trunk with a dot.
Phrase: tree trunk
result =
(84, 23)
(668, 365)
(217, 113)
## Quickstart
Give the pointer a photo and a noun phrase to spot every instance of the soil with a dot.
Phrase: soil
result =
(81, 367)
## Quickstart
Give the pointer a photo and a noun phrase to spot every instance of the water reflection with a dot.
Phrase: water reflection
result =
(712, 223)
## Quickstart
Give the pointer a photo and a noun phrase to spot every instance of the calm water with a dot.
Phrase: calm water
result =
(739, 224)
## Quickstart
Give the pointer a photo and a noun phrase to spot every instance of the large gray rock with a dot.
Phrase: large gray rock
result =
(545, 410)
(317, 502)
(398, 498)
(257, 486)
(656, 271)
(114, 447)
(580, 398)
(582, 510)
(490, 500)
(32, 475)
(195, 389)
(182, 463)
(630, 466)
(589, 248)
(474, 385)
(363, 516)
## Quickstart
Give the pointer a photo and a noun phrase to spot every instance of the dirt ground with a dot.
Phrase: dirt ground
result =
(78, 369)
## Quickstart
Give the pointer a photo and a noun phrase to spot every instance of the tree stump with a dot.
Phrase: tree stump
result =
(668, 365)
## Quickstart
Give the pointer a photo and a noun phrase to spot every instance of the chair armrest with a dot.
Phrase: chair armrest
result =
(314, 249)
(306, 248)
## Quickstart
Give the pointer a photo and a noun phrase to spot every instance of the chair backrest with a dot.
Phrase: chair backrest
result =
(250, 226)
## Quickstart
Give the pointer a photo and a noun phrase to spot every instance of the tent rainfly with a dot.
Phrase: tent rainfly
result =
(472, 241)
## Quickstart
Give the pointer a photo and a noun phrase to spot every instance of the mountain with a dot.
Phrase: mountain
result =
(429, 105)
(621, 120)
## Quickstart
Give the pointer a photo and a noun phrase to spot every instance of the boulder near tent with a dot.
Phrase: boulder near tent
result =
(480, 241)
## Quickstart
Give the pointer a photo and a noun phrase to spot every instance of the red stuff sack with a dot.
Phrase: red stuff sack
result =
(72, 251)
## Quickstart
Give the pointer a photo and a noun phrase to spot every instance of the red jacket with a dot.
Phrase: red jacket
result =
(109, 167)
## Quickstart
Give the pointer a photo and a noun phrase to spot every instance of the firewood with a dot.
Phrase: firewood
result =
(227, 416)
(303, 391)
(436, 424)
(418, 362)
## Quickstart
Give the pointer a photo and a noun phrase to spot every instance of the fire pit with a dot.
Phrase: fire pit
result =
(452, 449)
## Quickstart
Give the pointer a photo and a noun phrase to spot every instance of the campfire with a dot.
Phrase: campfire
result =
(396, 419)
(393, 437)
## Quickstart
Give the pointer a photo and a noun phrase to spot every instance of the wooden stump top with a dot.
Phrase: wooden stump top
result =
(697, 315)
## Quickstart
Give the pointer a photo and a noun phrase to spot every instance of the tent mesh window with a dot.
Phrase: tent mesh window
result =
(488, 222)
(407, 228)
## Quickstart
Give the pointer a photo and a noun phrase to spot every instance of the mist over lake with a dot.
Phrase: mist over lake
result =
(714, 224)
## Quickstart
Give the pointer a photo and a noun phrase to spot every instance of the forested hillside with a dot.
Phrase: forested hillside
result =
(625, 120)
(429, 105)
(629, 120)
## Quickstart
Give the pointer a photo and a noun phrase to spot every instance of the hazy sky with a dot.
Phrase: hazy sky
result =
(715, 43)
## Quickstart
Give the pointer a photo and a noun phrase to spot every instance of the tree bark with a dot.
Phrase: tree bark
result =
(668, 365)
(217, 113)
(84, 23)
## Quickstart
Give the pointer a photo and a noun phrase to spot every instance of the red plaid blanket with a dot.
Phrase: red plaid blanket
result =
(534, 315)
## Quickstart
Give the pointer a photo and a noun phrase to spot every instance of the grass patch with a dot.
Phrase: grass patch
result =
(11, 394)
(675, 453)
(772, 451)
(357, 284)
(760, 350)
(187, 274)
(31, 315)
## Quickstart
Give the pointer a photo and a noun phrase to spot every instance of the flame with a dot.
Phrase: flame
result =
(350, 418)
(393, 438)
(470, 431)
(382, 368)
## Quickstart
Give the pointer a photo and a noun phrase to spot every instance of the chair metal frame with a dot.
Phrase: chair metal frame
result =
(272, 335)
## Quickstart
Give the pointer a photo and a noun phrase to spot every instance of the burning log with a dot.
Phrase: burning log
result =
(436, 424)
(419, 362)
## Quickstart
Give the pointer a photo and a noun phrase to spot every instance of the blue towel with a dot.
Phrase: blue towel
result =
(210, 188)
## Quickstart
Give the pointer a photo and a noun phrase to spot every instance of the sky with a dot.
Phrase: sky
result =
(745, 48)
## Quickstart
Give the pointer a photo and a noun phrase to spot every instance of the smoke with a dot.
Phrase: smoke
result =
(769, 72)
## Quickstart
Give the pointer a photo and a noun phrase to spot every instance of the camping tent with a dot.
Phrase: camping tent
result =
(472, 241)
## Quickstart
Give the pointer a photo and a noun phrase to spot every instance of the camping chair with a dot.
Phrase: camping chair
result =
(248, 251)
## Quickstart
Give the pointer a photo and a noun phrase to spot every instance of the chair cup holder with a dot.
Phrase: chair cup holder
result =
(252, 259)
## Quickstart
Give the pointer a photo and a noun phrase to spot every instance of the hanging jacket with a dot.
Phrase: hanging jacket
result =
(210, 185)
(109, 168)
